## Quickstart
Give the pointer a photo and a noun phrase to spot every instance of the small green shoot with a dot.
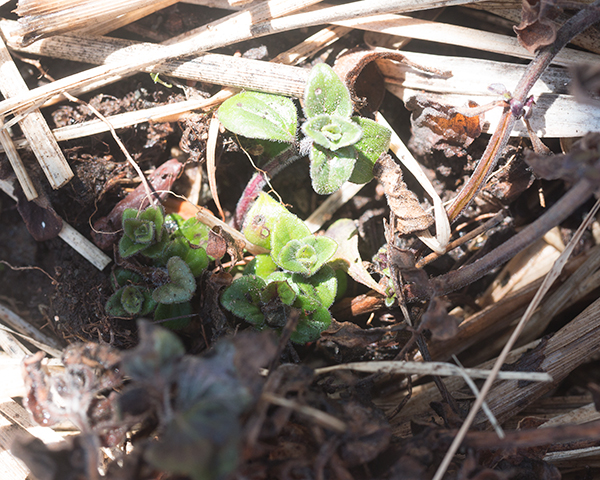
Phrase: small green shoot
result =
(340, 147)
(295, 274)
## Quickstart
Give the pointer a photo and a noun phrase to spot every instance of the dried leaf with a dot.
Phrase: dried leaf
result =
(580, 162)
(345, 233)
(436, 319)
(404, 204)
(358, 69)
(441, 127)
(536, 29)
(40, 218)
(585, 83)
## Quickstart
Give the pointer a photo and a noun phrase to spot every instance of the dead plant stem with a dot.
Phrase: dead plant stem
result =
(538, 65)
(583, 189)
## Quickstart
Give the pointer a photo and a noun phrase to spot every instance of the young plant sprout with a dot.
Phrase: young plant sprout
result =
(340, 147)
(176, 252)
(295, 274)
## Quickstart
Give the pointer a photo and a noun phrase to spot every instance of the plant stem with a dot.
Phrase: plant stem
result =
(260, 179)
(559, 212)
(499, 139)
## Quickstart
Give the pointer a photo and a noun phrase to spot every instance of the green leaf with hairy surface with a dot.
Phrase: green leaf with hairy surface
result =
(347, 256)
(147, 227)
(324, 282)
(141, 231)
(306, 256)
(286, 228)
(242, 298)
(332, 131)
(329, 170)
(122, 277)
(195, 257)
(313, 320)
(179, 313)
(278, 289)
(195, 232)
(260, 115)
(326, 93)
(132, 299)
(374, 142)
(261, 265)
(182, 283)
(261, 218)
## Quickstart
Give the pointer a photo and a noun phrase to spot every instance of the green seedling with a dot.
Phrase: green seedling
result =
(181, 286)
(340, 147)
(293, 248)
(141, 230)
(130, 301)
(294, 275)
(175, 250)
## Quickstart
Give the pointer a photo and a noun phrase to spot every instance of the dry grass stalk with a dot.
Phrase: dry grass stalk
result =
(17, 165)
(511, 10)
(34, 126)
(234, 28)
(49, 17)
(30, 333)
(565, 357)
(402, 26)
(555, 114)
(431, 368)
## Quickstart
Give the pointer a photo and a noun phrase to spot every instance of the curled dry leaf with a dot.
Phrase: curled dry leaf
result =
(345, 233)
(358, 70)
(436, 319)
(40, 218)
(580, 162)
(403, 203)
(536, 29)
(441, 127)
(585, 83)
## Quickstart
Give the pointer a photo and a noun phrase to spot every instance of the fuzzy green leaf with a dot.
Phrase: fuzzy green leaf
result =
(178, 312)
(260, 115)
(326, 93)
(332, 132)
(182, 283)
(374, 142)
(278, 289)
(127, 247)
(261, 218)
(242, 298)
(286, 228)
(325, 285)
(306, 256)
(261, 265)
(329, 170)
(314, 319)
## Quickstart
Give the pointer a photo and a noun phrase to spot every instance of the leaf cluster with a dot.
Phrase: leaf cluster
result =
(295, 274)
(176, 251)
(340, 147)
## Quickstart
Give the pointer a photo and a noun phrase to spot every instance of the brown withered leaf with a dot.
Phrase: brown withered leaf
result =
(580, 162)
(585, 83)
(440, 127)
(358, 70)
(436, 319)
(536, 29)
(403, 203)
(40, 218)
